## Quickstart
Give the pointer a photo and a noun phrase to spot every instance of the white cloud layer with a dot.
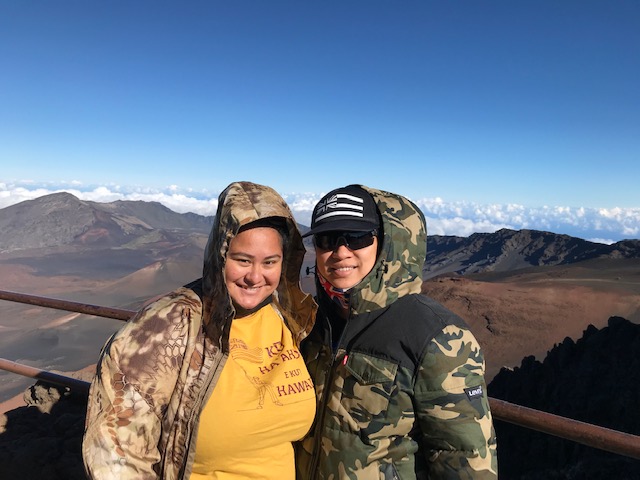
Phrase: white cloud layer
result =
(604, 225)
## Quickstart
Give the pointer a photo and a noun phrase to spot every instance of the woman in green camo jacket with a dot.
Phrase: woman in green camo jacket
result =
(399, 378)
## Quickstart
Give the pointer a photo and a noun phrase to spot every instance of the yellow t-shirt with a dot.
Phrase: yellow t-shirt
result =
(263, 401)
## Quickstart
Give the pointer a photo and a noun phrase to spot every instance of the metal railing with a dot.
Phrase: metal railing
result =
(68, 306)
(584, 433)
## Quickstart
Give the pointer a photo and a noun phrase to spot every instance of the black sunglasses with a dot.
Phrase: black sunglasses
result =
(352, 240)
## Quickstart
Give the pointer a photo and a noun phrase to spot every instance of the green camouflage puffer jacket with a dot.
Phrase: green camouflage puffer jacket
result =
(402, 395)
(155, 375)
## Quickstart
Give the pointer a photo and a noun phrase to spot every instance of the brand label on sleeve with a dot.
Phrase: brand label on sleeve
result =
(474, 392)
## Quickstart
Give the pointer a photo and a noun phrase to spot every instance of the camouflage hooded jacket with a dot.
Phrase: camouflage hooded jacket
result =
(402, 395)
(155, 375)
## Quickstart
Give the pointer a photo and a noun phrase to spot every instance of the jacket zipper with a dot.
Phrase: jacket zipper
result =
(202, 398)
(315, 459)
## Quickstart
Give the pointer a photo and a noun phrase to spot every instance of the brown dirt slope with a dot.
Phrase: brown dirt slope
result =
(527, 312)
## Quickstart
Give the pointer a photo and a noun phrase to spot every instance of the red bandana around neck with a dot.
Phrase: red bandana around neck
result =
(337, 295)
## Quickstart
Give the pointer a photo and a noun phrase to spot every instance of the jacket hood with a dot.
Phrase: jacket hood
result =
(239, 204)
(398, 268)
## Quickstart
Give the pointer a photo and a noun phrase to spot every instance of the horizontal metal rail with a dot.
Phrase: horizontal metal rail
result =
(44, 375)
(580, 432)
(107, 312)
(587, 434)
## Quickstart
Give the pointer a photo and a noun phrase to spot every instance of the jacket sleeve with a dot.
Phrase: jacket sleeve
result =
(135, 379)
(122, 429)
(457, 436)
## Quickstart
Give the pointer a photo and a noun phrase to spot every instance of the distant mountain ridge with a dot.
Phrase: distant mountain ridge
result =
(507, 250)
(62, 220)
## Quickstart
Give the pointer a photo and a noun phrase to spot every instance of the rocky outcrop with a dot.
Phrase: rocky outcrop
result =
(42, 441)
(592, 380)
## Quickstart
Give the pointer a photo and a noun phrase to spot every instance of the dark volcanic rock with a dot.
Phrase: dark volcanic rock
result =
(43, 440)
(593, 380)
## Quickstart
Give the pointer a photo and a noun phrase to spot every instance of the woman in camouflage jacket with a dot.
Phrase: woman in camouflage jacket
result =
(156, 374)
(399, 378)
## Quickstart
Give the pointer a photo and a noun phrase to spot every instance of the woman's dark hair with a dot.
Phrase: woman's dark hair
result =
(277, 223)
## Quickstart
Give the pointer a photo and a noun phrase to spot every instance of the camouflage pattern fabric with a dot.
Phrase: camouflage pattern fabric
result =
(155, 375)
(147, 384)
(403, 394)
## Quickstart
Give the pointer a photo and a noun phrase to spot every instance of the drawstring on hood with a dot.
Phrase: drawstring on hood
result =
(382, 269)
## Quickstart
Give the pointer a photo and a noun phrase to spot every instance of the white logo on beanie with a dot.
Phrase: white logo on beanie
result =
(338, 204)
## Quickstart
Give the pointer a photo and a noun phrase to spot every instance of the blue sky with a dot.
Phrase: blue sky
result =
(488, 114)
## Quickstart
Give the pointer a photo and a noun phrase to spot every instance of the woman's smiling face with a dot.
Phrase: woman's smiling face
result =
(253, 267)
(343, 267)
